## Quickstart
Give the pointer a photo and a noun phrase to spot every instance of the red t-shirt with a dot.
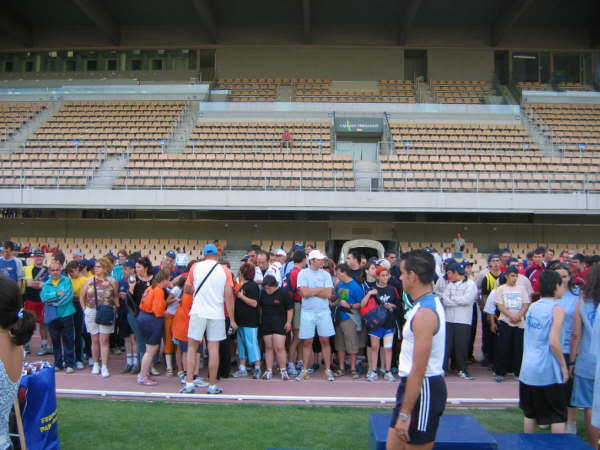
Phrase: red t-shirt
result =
(294, 283)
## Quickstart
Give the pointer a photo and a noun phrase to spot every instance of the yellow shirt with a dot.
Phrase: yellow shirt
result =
(77, 284)
(55, 282)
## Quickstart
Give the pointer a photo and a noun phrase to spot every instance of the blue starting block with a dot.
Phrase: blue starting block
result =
(547, 441)
(463, 431)
(456, 431)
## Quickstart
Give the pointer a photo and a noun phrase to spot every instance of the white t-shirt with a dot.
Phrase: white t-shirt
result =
(513, 298)
(176, 292)
(209, 302)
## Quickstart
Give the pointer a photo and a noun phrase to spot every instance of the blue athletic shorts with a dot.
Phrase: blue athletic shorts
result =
(184, 345)
(583, 392)
(381, 332)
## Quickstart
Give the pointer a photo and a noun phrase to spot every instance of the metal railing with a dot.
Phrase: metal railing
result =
(232, 179)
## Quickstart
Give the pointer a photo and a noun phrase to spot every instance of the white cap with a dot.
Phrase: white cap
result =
(279, 252)
(316, 254)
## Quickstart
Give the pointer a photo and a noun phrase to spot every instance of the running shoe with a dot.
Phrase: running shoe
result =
(329, 375)
(267, 375)
(389, 376)
(291, 370)
(199, 382)
(372, 376)
(96, 369)
(240, 373)
(79, 365)
(284, 375)
(187, 389)
(215, 389)
(257, 373)
(45, 351)
(464, 375)
(104, 372)
(299, 366)
(302, 376)
(145, 381)
(69, 370)
(499, 378)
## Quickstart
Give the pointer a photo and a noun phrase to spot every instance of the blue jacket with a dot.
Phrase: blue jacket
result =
(63, 302)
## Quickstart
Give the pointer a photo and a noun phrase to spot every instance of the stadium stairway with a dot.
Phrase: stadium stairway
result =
(365, 172)
(183, 131)
(234, 257)
(107, 173)
(20, 137)
(538, 136)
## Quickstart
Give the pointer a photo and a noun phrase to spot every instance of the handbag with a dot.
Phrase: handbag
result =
(105, 314)
(50, 313)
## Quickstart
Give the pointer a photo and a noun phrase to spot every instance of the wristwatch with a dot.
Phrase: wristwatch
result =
(403, 417)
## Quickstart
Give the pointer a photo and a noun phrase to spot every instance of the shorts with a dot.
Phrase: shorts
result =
(247, 344)
(36, 308)
(583, 392)
(315, 320)
(214, 328)
(381, 332)
(273, 327)
(296, 319)
(545, 404)
(346, 337)
(184, 346)
(429, 407)
(151, 327)
(89, 317)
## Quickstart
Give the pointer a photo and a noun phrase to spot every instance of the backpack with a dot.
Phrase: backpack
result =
(286, 286)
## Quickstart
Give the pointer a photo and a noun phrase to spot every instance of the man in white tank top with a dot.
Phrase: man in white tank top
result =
(421, 396)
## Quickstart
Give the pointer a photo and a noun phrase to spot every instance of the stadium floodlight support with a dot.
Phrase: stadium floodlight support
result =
(507, 18)
(208, 19)
(98, 14)
(410, 12)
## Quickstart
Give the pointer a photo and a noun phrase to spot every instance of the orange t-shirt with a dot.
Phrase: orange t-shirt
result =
(153, 301)
(181, 320)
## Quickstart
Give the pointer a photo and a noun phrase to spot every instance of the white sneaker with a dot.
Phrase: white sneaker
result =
(104, 371)
(79, 365)
(90, 362)
(96, 369)
(199, 382)
(389, 376)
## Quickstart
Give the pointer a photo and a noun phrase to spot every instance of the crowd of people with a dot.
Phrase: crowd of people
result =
(293, 311)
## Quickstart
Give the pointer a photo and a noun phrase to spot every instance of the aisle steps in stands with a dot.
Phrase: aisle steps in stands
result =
(107, 173)
(20, 137)
(183, 130)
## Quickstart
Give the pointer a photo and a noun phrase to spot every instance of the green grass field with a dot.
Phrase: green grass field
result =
(108, 424)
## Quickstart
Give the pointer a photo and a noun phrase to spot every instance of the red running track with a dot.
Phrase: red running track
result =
(482, 391)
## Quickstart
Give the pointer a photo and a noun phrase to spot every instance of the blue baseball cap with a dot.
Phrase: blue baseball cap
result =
(493, 256)
(129, 263)
(457, 267)
(298, 246)
(210, 249)
(171, 254)
(466, 263)
(111, 254)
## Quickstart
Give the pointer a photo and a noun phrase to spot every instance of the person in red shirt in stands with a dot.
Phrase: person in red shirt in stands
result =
(505, 254)
(286, 139)
(534, 271)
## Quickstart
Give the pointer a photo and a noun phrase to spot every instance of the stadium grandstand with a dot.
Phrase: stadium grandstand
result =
(158, 125)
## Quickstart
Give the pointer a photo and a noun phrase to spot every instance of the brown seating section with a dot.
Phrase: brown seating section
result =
(154, 248)
(571, 86)
(259, 135)
(442, 137)
(390, 91)
(252, 89)
(238, 170)
(457, 91)
(14, 115)
(520, 249)
(108, 126)
(533, 86)
(479, 157)
(483, 171)
(570, 125)
(65, 170)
